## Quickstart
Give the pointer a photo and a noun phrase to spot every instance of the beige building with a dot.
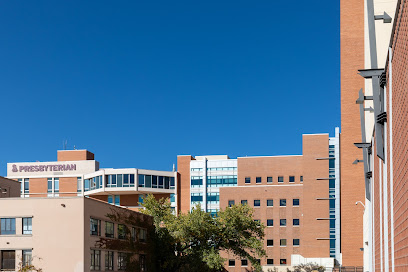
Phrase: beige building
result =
(60, 234)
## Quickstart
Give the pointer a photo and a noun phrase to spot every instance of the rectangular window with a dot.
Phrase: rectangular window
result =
(244, 262)
(121, 231)
(269, 242)
(117, 200)
(109, 229)
(121, 261)
(141, 180)
(269, 180)
(154, 181)
(282, 222)
(301, 178)
(166, 182)
(172, 183)
(95, 227)
(269, 223)
(109, 260)
(247, 180)
(27, 225)
(8, 260)
(231, 202)
(79, 184)
(280, 179)
(26, 186)
(161, 182)
(95, 260)
(110, 199)
(27, 257)
(269, 202)
(56, 185)
(244, 202)
(141, 200)
(296, 242)
(142, 261)
(296, 202)
(283, 262)
(142, 235)
(257, 203)
(49, 185)
(8, 226)
(282, 202)
(296, 222)
(148, 181)
(231, 262)
(291, 178)
(282, 242)
(269, 261)
(258, 180)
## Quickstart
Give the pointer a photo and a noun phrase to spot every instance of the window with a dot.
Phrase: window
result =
(280, 179)
(117, 200)
(134, 234)
(244, 202)
(142, 261)
(296, 202)
(257, 203)
(301, 178)
(231, 202)
(95, 226)
(296, 242)
(121, 261)
(282, 202)
(231, 262)
(27, 257)
(49, 184)
(283, 222)
(295, 222)
(269, 179)
(8, 226)
(8, 260)
(269, 261)
(79, 184)
(282, 261)
(109, 260)
(27, 225)
(196, 182)
(282, 242)
(56, 185)
(95, 260)
(26, 186)
(257, 220)
(121, 231)
(269, 243)
(141, 200)
(247, 180)
(244, 262)
(269, 202)
(109, 229)
(269, 223)
(142, 235)
(141, 180)
(291, 178)
(258, 180)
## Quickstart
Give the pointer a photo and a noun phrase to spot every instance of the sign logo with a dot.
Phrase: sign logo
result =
(14, 168)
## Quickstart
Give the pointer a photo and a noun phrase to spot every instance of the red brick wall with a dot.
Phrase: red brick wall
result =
(183, 183)
(75, 155)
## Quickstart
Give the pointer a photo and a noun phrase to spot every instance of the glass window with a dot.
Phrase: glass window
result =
(26, 186)
(269, 242)
(119, 180)
(154, 181)
(141, 199)
(56, 185)
(121, 261)
(79, 184)
(132, 179)
(142, 235)
(148, 181)
(283, 242)
(244, 262)
(231, 262)
(269, 261)
(296, 202)
(141, 180)
(282, 261)
(196, 182)
(196, 197)
(117, 200)
(95, 260)
(109, 260)
(247, 180)
(257, 203)
(109, 229)
(269, 202)
(296, 242)
(301, 178)
(121, 231)
(161, 182)
(296, 222)
(8, 260)
(172, 183)
(86, 185)
(231, 202)
(8, 226)
(27, 225)
(282, 202)
(258, 179)
(283, 222)
(269, 222)
(291, 178)
(269, 179)
(49, 185)
(110, 199)
(244, 202)
(95, 226)
(280, 179)
(166, 182)
(27, 257)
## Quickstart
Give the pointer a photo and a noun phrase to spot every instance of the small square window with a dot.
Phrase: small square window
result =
(301, 178)
(247, 180)
(231, 202)
(296, 222)
(258, 261)
(291, 178)
(244, 202)
(257, 220)
(269, 261)
(283, 222)
(283, 262)
(296, 242)
(280, 179)
(257, 203)
(231, 262)
(296, 202)
(269, 243)
(269, 222)
(282, 242)
(269, 179)
(282, 202)
(269, 202)
(258, 179)
(244, 262)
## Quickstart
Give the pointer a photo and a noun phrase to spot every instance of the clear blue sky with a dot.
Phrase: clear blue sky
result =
(140, 82)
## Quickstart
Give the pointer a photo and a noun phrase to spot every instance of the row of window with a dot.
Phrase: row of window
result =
(136, 233)
(214, 169)
(122, 258)
(270, 179)
(8, 259)
(8, 226)
(269, 202)
(283, 242)
(214, 181)
(244, 262)
(282, 222)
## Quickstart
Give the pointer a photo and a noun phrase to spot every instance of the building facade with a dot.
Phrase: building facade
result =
(9, 188)
(297, 198)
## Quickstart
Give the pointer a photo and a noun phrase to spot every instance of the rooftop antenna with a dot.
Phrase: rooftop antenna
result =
(74, 147)
(174, 167)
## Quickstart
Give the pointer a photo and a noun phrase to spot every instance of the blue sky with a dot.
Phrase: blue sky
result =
(140, 82)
